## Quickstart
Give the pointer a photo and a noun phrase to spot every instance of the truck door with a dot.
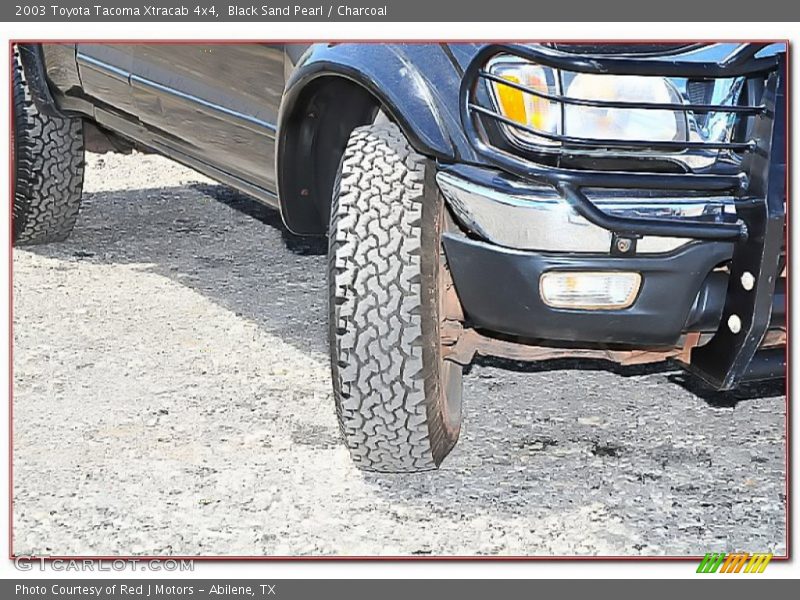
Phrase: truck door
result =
(219, 101)
(105, 74)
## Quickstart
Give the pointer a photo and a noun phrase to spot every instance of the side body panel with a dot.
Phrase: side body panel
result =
(219, 100)
(213, 105)
(105, 71)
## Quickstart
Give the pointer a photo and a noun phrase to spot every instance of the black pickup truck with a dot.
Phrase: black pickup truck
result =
(623, 202)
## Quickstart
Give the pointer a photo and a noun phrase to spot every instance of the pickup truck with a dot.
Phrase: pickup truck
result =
(623, 202)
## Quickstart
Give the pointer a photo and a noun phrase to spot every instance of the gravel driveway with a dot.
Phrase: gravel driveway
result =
(172, 396)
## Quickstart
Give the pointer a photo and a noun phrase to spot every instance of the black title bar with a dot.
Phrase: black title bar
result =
(402, 10)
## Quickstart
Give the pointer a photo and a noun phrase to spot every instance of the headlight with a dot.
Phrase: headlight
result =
(623, 123)
(546, 118)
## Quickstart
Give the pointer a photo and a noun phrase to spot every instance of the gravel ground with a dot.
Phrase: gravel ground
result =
(172, 397)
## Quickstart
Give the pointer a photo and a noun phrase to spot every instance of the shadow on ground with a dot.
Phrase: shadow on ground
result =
(114, 227)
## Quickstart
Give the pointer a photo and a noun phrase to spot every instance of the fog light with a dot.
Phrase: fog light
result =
(596, 290)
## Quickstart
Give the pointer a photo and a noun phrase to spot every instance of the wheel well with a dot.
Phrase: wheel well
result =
(313, 137)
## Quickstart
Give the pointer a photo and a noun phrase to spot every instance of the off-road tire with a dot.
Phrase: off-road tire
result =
(398, 403)
(48, 169)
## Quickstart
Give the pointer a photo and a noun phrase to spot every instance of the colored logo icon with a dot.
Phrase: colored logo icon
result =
(736, 562)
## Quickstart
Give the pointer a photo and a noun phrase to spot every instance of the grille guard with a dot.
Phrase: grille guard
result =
(760, 187)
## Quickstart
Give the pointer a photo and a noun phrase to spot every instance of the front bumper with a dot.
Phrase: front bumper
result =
(527, 216)
(510, 233)
(499, 292)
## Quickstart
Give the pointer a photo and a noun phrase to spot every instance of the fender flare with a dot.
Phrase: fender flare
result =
(399, 78)
(32, 60)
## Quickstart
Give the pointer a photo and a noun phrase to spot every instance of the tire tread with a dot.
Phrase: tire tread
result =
(48, 169)
(378, 315)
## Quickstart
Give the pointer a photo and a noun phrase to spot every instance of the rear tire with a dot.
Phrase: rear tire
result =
(48, 169)
(398, 402)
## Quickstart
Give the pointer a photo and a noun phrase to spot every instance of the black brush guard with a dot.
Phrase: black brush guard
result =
(732, 355)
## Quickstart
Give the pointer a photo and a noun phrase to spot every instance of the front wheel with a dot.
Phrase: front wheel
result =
(398, 402)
